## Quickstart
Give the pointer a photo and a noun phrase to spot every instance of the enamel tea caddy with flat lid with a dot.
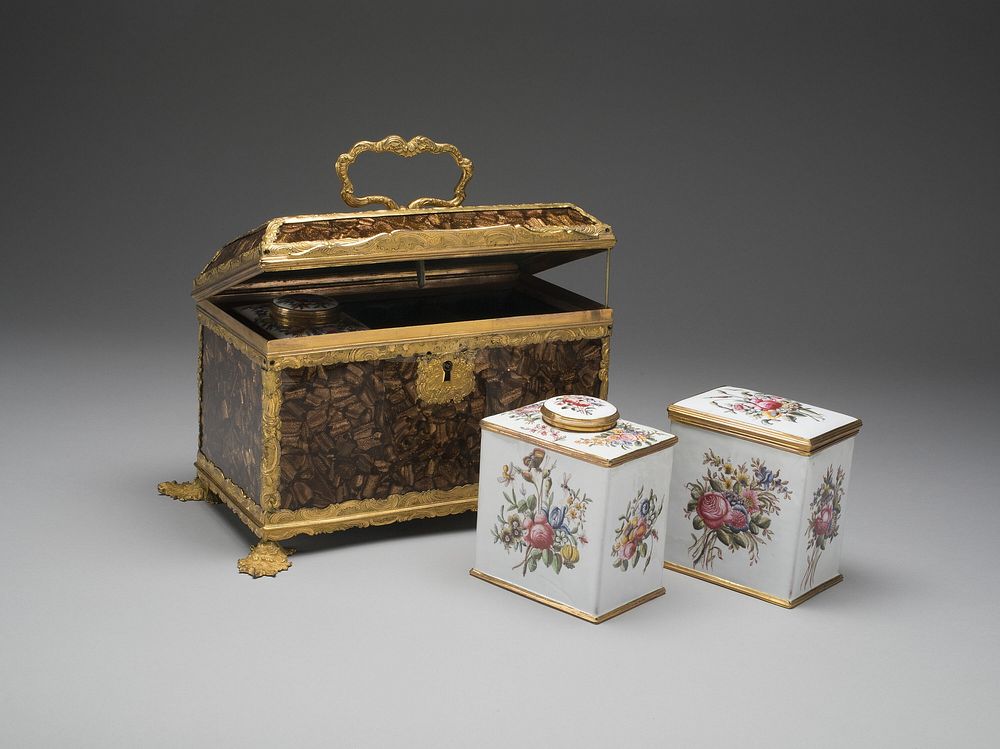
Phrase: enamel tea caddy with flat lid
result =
(573, 517)
(758, 493)
(319, 416)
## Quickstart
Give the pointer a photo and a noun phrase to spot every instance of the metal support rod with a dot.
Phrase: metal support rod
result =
(607, 277)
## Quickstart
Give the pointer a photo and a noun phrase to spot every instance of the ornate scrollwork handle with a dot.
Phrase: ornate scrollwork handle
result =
(405, 148)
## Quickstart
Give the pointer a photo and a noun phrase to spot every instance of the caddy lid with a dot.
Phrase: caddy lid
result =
(762, 417)
(534, 236)
(579, 413)
(609, 447)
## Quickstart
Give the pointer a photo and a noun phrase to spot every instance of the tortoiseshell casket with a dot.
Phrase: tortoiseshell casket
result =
(374, 418)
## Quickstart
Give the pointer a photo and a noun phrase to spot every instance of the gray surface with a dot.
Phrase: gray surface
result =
(806, 202)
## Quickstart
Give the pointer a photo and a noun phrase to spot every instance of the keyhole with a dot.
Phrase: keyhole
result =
(447, 371)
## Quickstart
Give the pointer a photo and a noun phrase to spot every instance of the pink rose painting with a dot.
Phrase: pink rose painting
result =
(738, 518)
(538, 533)
(529, 420)
(824, 521)
(733, 505)
(713, 509)
(635, 536)
(767, 409)
(543, 525)
(767, 403)
(624, 436)
(581, 404)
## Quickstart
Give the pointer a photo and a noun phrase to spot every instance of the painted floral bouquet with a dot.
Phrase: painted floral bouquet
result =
(763, 407)
(532, 423)
(824, 520)
(635, 528)
(581, 404)
(732, 506)
(532, 523)
(625, 435)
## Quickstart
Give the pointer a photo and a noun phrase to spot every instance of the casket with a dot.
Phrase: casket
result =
(372, 417)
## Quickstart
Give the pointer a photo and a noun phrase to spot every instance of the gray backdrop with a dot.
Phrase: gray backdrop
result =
(805, 196)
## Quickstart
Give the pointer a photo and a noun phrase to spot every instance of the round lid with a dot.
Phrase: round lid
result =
(579, 413)
(303, 310)
(304, 303)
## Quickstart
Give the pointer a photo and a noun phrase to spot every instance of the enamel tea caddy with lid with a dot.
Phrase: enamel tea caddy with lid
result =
(362, 410)
(758, 492)
(571, 506)
(303, 310)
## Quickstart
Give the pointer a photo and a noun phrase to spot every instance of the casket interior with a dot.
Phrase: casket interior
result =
(407, 293)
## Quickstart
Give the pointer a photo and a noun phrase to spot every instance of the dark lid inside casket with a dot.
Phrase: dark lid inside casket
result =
(534, 237)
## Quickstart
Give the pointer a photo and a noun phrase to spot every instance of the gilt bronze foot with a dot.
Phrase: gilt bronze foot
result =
(265, 559)
(187, 491)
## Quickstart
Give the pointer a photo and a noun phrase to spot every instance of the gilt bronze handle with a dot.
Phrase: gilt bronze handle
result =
(405, 148)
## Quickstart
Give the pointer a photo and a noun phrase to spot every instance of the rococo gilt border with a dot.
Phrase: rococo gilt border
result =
(399, 244)
(361, 513)
(206, 322)
(245, 508)
(446, 345)
(356, 513)
(270, 464)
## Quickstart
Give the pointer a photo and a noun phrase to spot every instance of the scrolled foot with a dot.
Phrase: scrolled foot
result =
(186, 491)
(266, 559)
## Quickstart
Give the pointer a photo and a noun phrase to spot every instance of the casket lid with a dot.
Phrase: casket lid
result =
(621, 443)
(768, 419)
(536, 236)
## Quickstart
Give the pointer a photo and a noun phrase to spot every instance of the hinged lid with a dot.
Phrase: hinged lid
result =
(623, 442)
(769, 419)
(535, 236)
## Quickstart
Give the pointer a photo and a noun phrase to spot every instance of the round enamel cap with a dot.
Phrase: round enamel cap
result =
(303, 309)
(579, 413)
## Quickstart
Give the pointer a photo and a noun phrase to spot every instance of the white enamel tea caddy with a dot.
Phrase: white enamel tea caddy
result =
(757, 493)
(571, 506)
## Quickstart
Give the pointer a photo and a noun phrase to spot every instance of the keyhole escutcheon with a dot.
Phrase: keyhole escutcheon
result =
(447, 371)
